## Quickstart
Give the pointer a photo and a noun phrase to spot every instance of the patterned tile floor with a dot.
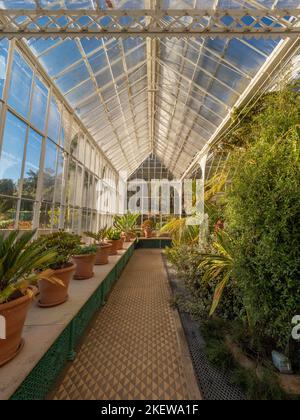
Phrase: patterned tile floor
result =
(132, 349)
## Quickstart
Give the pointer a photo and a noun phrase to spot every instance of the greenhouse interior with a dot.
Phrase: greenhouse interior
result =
(149, 202)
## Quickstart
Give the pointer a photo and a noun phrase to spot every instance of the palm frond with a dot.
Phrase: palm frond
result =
(219, 266)
(19, 257)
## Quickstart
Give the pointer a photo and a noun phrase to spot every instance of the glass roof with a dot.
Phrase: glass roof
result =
(144, 4)
(135, 102)
(152, 169)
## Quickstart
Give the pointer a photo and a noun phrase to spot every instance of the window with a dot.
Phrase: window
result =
(32, 165)
(54, 122)
(39, 105)
(49, 171)
(12, 155)
(85, 195)
(59, 176)
(79, 186)
(20, 86)
(70, 190)
(3, 62)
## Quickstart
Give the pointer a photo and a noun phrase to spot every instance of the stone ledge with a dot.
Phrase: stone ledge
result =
(43, 327)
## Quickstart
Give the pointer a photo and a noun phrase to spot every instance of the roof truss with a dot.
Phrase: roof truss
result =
(150, 22)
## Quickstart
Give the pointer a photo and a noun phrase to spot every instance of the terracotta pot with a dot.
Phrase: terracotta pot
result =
(114, 247)
(148, 233)
(103, 254)
(55, 294)
(120, 244)
(84, 266)
(127, 237)
(14, 313)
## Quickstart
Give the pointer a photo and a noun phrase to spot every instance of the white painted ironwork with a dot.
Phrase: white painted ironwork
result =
(153, 22)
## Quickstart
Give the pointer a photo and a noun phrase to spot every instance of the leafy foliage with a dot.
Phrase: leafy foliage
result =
(19, 257)
(263, 388)
(126, 223)
(65, 245)
(181, 232)
(98, 237)
(262, 209)
(5, 224)
(263, 213)
(219, 266)
(113, 235)
(85, 250)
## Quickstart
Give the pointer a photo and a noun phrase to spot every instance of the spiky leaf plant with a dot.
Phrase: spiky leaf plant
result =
(19, 258)
(219, 266)
(126, 223)
(98, 237)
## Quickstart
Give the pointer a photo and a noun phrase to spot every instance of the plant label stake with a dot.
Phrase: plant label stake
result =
(296, 329)
(2, 328)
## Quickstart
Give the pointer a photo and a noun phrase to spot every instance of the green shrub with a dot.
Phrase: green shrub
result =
(86, 250)
(113, 235)
(265, 387)
(263, 215)
(19, 259)
(4, 224)
(186, 260)
(99, 237)
(219, 355)
(65, 245)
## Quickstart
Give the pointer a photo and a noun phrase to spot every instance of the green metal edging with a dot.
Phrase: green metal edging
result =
(155, 243)
(41, 379)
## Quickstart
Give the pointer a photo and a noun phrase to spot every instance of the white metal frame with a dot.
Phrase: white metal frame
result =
(168, 139)
(150, 22)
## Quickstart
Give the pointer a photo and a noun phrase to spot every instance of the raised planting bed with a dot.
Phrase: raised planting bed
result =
(153, 243)
(52, 335)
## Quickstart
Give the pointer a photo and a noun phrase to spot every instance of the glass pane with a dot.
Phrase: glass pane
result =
(20, 85)
(79, 185)
(32, 165)
(70, 191)
(45, 216)
(49, 171)
(12, 153)
(76, 217)
(61, 57)
(54, 216)
(54, 121)
(39, 105)
(85, 190)
(69, 218)
(8, 207)
(3, 62)
(59, 176)
(26, 215)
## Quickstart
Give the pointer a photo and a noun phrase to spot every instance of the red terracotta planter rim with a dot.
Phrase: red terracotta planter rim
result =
(84, 256)
(64, 270)
(104, 246)
(14, 302)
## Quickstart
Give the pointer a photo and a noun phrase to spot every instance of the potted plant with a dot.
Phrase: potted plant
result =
(84, 259)
(147, 227)
(19, 258)
(65, 245)
(126, 224)
(114, 238)
(120, 243)
(103, 248)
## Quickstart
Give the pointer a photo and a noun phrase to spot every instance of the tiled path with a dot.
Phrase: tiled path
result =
(134, 349)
